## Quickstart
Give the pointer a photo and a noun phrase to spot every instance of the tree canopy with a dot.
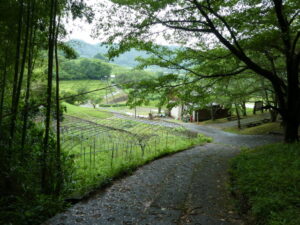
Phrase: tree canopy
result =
(80, 69)
(237, 37)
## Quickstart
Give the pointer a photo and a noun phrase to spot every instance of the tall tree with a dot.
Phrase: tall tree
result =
(249, 30)
(14, 105)
(32, 31)
(51, 46)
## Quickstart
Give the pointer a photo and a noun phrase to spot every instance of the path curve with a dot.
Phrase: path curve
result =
(186, 188)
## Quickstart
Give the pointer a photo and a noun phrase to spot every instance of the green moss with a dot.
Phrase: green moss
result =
(268, 180)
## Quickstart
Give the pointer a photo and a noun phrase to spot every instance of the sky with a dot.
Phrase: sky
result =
(80, 29)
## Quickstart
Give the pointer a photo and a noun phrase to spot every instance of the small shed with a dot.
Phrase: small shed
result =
(258, 106)
(213, 112)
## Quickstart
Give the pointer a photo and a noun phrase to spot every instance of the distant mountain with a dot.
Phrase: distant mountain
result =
(127, 59)
(90, 50)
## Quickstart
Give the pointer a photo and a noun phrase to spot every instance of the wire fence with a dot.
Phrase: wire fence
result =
(118, 140)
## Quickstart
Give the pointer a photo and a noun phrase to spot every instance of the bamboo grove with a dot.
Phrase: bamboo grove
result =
(30, 156)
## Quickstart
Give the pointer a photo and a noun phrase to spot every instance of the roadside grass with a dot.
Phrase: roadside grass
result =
(96, 170)
(207, 122)
(266, 128)
(266, 182)
(105, 148)
(85, 113)
(225, 120)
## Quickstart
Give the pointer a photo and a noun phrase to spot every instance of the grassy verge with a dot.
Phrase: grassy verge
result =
(260, 129)
(225, 120)
(207, 122)
(85, 113)
(266, 181)
(96, 171)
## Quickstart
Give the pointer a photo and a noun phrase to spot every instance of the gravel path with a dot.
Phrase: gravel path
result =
(186, 188)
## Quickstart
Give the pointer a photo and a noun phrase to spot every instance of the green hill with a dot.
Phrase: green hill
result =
(127, 59)
(87, 50)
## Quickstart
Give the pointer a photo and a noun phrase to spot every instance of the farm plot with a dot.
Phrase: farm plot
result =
(103, 148)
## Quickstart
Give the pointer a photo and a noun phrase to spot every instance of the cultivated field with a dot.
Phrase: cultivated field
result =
(103, 145)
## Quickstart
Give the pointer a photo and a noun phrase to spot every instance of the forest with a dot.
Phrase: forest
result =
(75, 117)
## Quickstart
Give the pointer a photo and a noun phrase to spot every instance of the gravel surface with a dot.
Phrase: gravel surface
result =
(186, 188)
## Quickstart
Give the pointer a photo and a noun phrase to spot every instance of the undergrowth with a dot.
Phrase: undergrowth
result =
(266, 128)
(87, 177)
(266, 181)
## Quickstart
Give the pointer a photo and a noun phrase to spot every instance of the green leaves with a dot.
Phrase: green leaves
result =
(83, 68)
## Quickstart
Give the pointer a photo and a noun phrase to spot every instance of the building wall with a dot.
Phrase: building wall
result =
(176, 112)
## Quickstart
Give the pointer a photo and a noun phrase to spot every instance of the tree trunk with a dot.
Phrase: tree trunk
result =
(273, 114)
(291, 131)
(212, 113)
(51, 36)
(16, 74)
(28, 83)
(244, 108)
(3, 85)
(59, 178)
(238, 116)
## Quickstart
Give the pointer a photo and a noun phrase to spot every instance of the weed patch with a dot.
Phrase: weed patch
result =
(267, 183)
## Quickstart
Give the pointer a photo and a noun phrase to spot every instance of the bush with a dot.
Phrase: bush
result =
(267, 183)
(21, 198)
(80, 69)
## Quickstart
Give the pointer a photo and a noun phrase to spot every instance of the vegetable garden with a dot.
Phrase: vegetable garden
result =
(104, 148)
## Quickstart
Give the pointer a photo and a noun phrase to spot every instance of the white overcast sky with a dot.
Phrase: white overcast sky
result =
(80, 29)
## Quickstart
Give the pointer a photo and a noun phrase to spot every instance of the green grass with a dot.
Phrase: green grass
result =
(94, 172)
(140, 110)
(208, 122)
(267, 183)
(89, 85)
(100, 154)
(69, 85)
(224, 120)
(260, 129)
(85, 113)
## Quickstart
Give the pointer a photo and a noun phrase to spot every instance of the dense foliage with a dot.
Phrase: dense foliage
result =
(34, 172)
(266, 182)
(83, 68)
(221, 39)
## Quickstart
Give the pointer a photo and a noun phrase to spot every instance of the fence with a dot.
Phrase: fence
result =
(101, 146)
